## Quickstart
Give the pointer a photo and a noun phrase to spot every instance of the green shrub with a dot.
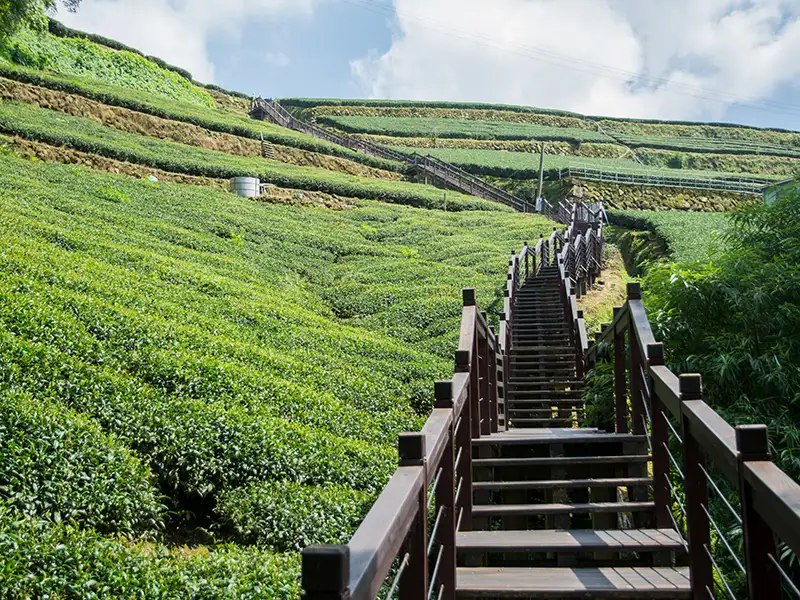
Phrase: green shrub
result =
(58, 129)
(79, 56)
(216, 119)
(454, 128)
(305, 103)
(289, 516)
(598, 396)
(57, 465)
(687, 235)
(735, 320)
(525, 165)
(45, 560)
(229, 342)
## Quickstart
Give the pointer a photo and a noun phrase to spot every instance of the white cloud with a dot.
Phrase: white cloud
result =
(277, 59)
(177, 31)
(590, 55)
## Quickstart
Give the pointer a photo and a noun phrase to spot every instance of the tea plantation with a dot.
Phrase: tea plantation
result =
(463, 130)
(195, 365)
(687, 235)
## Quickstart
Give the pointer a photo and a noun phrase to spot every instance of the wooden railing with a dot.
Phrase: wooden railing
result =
(692, 446)
(431, 490)
(425, 165)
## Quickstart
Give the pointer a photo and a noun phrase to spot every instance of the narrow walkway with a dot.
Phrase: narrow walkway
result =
(561, 511)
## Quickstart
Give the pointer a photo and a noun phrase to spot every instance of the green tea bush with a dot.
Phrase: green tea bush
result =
(711, 145)
(314, 102)
(289, 516)
(79, 56)
(229, 342)
(89, 136)
(735, 320)
(454, 128)
(214, 119)
(57, 465)
(525, 165)
(687, 235)
(45, 560)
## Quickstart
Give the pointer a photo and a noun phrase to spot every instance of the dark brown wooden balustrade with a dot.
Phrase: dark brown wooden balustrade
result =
(697, 454)
(392, 551)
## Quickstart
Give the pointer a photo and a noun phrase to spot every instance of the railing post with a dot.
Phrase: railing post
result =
(492, 377)
(620, 378)
(484, 376)
(660, 440)
(763, 577)
(696, 486)
(472, 367)
(326, 572)
(527, 260)
(445, 499)
(414, 581)
(637, 404)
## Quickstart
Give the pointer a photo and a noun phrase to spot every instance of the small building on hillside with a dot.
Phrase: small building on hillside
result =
(778, 190)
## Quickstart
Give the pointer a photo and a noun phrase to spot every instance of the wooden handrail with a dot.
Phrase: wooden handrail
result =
(438, 460)
(770, 499)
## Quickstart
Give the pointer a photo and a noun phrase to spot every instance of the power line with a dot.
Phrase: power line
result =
(576, 64)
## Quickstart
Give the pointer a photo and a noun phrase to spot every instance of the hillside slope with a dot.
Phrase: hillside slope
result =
(504, 142)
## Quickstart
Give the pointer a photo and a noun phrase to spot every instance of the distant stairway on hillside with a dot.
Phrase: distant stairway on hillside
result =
(427, 167)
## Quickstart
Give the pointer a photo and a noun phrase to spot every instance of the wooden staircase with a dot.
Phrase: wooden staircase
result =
(561, 511)
(505, 494)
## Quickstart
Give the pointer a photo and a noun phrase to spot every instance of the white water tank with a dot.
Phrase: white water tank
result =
(246, 187)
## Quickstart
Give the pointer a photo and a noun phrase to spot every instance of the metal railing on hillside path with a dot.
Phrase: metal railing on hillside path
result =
(427, 166)
(739, 185)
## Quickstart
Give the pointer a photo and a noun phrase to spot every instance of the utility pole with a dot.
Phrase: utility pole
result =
(539, 199)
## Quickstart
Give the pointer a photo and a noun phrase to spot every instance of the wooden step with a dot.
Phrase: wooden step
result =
(516, 414)
(525, 350)
(547, 381)
(540, 404)
(523, 422)
(619, 583)
(501, 486)
(542, 394)
(561, 461)
(534, 358)
(535, 510)
(578, 540)
(557, 435)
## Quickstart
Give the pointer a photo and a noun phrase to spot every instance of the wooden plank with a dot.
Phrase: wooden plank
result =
(563, 483)
(436, 432)
(633, 582)
(547, 435)
(715, 436)
(377, 541)
(466, 341)
(460, 393)
(558, 509)
(579, 540)
(570, 460)
(667, 387)
(776, 497)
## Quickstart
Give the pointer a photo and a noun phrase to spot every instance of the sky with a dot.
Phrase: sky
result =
(707, 60)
